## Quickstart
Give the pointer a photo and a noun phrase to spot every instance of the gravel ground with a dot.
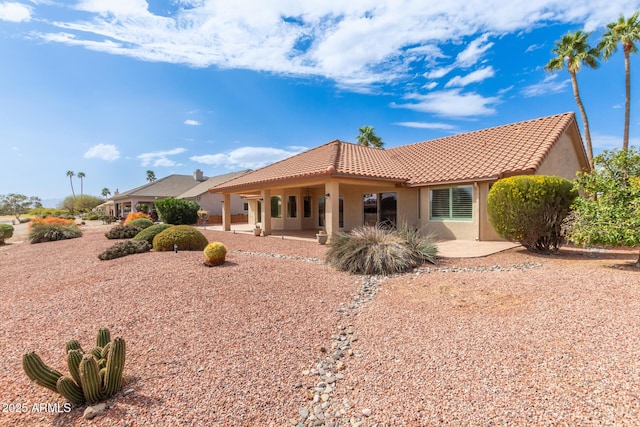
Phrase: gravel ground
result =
(510, 339)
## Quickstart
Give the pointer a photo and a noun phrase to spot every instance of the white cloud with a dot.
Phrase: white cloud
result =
(14, 12)
(430, 85)
(160, 158)
(425, 125)
(248, 157)
(451, 103)
(356, 43)
(534, 47)
(550, 84)
(610, 142)
(190, 122)
(108, 152)
(474, 77)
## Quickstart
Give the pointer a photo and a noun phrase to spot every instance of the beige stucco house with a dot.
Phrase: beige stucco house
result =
(440, 185)
(191, 187)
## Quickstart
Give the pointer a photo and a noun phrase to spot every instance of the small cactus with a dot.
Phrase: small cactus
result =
(214, 254)
(95, 375)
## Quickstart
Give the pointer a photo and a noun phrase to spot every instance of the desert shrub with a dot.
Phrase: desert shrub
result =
(132, 216)
(215, 254)
(125, 248)
(150, 232)
(530, 210)
(424, 248)
(377, 250)
(122, 232)
(40, 232)
(51, 220)
(187, 238)
(6, 232)
(177, 211)
(94, 216)
(141, 222)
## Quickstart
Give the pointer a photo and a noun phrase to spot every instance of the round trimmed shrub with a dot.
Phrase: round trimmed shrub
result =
(150, 232)
(122, 232)
(186, 238)
(6, 232)
(531, 209)
(141, 222)
(214, 254)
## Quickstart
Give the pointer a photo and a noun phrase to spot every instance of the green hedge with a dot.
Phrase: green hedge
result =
(531, 210)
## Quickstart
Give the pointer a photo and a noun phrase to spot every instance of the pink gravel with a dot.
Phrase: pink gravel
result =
(551, 341)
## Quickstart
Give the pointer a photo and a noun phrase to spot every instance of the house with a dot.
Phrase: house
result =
(192, 187)
(440, 185)
(212, 202)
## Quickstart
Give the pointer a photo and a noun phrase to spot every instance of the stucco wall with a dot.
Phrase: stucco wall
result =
(213, 204)
(562, 160)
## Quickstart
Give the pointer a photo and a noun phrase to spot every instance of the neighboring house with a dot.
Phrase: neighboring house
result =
(142, 198)
(440, 185)
(212, 203)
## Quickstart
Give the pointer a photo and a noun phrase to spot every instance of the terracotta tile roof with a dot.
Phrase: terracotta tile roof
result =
(487, 153)
(168, 186)
(203, 187)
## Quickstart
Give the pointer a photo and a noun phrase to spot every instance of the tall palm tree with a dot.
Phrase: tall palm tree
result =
(81, 175)
(105, 192)
(368, 137)
(151, 176)
(572, 51)
(71, 174)
(627, 32)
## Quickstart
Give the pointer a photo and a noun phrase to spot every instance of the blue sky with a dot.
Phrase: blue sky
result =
(114, 88)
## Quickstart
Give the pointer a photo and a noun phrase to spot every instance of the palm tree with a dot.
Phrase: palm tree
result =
(81, 175)
(70, 174)
(368, 137)
(627, 32)
(105, 192)
(151, 176)
(572, 51)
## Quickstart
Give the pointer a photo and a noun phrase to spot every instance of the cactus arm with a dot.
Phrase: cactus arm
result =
(113, 378)
(73, 363)
(70, 390)
(96, 352)
(104, 336)
(105, 351)
(90, 379)
(37, 371)
(72, 345)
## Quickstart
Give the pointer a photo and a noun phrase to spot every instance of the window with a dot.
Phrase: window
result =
(292, 206)
(321, 202)
(452, 203)
(321, 211)
(245, 206)
(276, 207)
(380, 208)
(306, 207)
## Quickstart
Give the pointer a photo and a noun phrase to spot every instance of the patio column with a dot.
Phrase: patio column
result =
(266, 211)
(226, 212)
(332, 207)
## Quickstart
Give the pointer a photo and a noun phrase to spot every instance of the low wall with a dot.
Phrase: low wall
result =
(235, 219)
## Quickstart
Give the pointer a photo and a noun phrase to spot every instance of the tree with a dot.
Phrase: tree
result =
(572, 51)
(105, 192)
(18, 204)
(81, 175)
(626, 32)
(368, 137)
(609, 211)
(151, 176)
(71, 174)
(83, 203)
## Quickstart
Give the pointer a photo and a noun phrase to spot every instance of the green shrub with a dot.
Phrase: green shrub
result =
(125, 248)
(141, 222)
(150, 232)
(378, 250)
(187, 238)
(94, 217)
(122, 232)
(423, 246)
(6, 232)
(531, 209)
(39, 233)
(177, 211)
